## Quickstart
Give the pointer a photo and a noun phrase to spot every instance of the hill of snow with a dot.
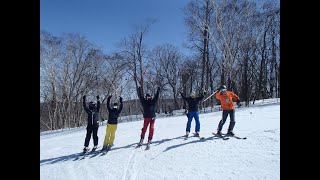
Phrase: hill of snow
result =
(170, 156)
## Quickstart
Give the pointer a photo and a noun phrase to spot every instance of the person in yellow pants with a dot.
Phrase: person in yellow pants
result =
(112, 124)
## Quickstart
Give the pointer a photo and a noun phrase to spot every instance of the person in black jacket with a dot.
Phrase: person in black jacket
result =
(112, 123)
(93, 122)
(149, 113)
(193, 103)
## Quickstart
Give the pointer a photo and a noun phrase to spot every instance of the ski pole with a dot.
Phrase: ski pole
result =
(210, 96)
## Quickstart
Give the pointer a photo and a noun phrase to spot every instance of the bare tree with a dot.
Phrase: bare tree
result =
(134, 51)
(169, 60)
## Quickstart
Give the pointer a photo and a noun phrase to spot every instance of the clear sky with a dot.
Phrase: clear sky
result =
(106, 22)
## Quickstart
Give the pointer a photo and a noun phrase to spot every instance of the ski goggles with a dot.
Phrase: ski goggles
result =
(223, 90)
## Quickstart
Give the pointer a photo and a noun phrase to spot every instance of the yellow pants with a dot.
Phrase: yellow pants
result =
(110, 134)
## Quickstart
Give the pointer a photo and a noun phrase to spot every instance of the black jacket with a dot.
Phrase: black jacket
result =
(149, 106)
(193, 102)
(113, 113)
(93, 116)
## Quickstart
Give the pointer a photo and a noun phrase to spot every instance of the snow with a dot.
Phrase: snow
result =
(170, 156)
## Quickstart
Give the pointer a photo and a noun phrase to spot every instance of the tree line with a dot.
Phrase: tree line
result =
(232, 42)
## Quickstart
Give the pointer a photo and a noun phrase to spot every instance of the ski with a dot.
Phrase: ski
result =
(94, 149)
(106, 150)
(224, 138)
(186, 136)
(138, 145)
(84, 152)
(197, 135)
(237, 137)
(148, 147)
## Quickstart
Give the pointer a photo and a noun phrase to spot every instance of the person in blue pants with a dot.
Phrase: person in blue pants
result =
(193, 103)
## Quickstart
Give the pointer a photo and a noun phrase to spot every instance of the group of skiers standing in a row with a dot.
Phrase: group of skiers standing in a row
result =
(149, 113)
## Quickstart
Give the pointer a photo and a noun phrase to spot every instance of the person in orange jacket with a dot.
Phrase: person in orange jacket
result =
(227, 106)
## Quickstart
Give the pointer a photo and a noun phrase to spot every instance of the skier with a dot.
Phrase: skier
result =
(193, 103)
(149, 114)
(112, 123)
(227, 106)
(92, 124)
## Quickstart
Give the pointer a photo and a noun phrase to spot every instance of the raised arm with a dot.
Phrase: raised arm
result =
(157, 94)
(84, 104)
(140, 94)
(108, 103)
(121, 105)
(98, 103)
(202, 95)
(183, 97)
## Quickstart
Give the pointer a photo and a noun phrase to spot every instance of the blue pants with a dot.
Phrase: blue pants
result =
(194, 115)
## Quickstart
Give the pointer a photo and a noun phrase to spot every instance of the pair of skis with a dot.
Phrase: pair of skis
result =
(147, 147)
(226, 137)
(235, 136)
(83, 154)
(194, 135)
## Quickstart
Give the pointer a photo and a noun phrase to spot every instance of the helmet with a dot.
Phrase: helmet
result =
(223, 88)
(92, 105)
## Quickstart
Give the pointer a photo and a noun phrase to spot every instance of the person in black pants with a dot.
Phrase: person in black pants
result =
(93, 122)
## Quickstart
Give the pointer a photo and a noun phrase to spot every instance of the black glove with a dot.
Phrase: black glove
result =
(98, 97)
(239, 104)
(120, 99)
(84, 98)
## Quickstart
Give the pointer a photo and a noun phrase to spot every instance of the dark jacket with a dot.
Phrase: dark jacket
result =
(113, 113)
(93, 116)
(193, 102)
(149, 106)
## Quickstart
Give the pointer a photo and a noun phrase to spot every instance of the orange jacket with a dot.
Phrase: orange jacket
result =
(226, 100)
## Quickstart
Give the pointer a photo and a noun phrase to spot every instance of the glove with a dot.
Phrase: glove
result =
(239, 104)
(98, 97)
(84, 98)
(120, 99)
(204, 92)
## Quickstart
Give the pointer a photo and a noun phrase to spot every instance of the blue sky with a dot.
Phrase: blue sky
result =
(106, 22)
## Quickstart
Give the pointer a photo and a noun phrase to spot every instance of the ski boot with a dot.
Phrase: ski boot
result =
(187, 134)
(94, 148)
(196, 134)
(148, 144)
(230, 133)
(219, 133)
(140, 142)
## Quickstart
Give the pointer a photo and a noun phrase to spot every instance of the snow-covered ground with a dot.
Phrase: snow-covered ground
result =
(170, 156)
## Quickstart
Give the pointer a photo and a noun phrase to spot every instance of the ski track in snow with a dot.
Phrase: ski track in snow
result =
(132, 168)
